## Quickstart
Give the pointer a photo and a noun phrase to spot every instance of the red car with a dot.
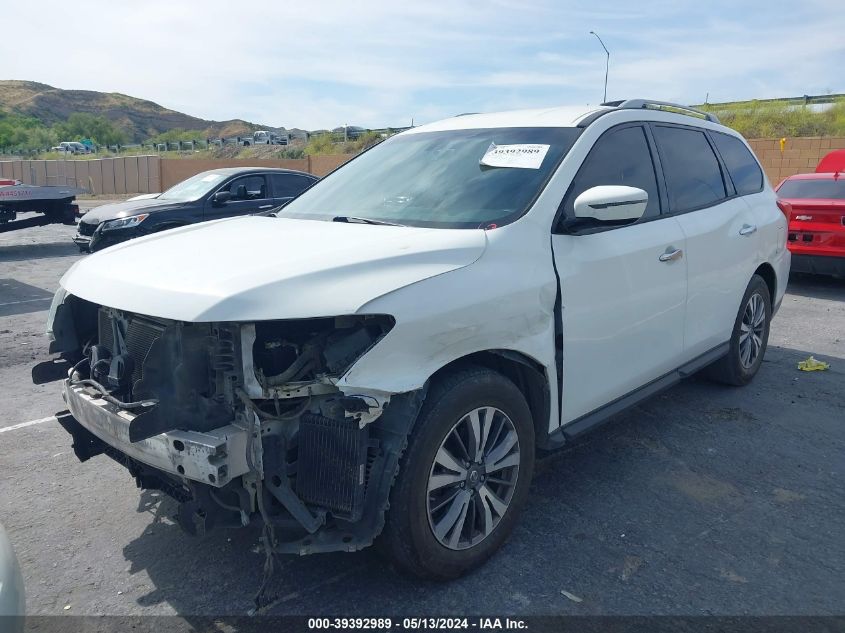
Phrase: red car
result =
(815, 204)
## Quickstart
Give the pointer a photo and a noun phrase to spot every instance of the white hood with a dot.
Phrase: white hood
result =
(258, 268)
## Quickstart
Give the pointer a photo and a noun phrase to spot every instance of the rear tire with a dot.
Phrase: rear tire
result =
(749, 339)
(446, 520)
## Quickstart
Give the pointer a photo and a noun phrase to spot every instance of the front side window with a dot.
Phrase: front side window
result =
(691, 169)
(447, 179)
(620, 157)
(742, 167)
(247, 188)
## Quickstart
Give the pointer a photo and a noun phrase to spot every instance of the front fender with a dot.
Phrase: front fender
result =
(498, 303)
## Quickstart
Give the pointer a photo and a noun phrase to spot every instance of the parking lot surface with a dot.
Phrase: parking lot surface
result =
(704, 500)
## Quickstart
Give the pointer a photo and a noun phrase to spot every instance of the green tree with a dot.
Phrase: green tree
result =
(11, 135)
(15, 129)
(40, 138)
(81, 125)
(321, 144)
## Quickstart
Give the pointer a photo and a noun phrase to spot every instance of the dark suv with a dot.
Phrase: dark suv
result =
(210, 195)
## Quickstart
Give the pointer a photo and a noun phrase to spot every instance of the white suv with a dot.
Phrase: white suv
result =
(71, 147)
(382, 357)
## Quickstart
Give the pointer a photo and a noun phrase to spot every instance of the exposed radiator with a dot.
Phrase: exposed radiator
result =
(332, 464)
(141, 333)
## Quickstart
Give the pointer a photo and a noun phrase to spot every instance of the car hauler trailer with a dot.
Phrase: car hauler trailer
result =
(55, 204)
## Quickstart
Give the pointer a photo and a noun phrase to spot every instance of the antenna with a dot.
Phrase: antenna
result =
(607, 64)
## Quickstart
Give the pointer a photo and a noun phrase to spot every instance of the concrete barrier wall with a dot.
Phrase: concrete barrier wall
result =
(123, 175)
(144, 174)
(174, 170)
(799, 155)
(150, 174)
(322, 165)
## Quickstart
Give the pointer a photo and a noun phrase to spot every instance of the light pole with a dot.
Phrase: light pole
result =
(607, 63)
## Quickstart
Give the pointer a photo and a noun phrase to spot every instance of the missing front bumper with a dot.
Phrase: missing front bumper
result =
(212, 457)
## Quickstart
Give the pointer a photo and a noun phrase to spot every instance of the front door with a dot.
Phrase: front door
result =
(622, 288)
(249, 194)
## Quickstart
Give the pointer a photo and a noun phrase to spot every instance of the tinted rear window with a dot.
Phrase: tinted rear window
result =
(693, 176)
(743, 169)
(289, 185)
(813, 189)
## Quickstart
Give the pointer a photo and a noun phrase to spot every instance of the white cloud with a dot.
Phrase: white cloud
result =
(380, 62)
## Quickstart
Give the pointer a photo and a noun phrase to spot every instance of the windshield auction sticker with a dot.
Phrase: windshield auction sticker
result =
(522, 156)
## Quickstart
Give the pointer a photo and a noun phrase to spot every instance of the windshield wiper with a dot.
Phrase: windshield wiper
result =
(351, 219)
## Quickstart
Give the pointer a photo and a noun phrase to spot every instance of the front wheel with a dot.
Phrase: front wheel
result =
(464, 477)
(749, 339)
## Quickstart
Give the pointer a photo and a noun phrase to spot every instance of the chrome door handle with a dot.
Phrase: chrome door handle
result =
(670, 256)
(265, 206)
(747, 229)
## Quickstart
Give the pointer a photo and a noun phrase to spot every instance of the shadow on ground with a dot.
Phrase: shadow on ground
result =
(817, 286)
(43, 250)
(19, 298)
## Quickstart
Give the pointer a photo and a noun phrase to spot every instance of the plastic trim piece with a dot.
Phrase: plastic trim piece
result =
(604, 413)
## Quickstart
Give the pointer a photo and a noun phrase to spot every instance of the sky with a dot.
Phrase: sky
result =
(323, 63)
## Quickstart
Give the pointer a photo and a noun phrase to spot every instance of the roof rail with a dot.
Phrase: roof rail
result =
(649, 104)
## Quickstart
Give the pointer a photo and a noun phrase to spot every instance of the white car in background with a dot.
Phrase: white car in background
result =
(383, 356)
(71, 147)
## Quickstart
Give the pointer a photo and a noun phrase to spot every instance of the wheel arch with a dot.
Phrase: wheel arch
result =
(767, 272)
(529, 376)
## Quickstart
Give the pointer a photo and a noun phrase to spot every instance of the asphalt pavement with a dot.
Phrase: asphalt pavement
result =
(703, 500)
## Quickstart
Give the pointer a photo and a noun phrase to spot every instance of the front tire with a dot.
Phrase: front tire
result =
(464, 477)
(749, 339)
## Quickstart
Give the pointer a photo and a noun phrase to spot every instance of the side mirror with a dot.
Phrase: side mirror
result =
(221, 197)
(611, 203)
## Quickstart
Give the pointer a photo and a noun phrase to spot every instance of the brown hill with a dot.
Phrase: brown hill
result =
(139, 118)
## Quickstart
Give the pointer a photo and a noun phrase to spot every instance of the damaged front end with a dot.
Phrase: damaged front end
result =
(239, 422)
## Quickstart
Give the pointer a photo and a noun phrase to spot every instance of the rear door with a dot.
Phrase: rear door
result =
(721, 233)
(287, 186)
(622, 288)
(250, 194)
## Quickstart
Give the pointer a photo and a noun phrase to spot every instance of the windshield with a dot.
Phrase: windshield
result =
(449, 179)
(193, 188)
(833, 189)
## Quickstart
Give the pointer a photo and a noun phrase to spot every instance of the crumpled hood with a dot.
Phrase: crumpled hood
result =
(257, 268)
(127, 207)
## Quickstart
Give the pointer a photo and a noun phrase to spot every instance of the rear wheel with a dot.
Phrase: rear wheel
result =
(464, 477)
(749, 339)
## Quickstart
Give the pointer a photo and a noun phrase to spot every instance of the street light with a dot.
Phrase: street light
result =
(607, 63)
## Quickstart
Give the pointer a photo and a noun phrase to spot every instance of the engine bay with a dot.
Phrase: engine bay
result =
(238, 422)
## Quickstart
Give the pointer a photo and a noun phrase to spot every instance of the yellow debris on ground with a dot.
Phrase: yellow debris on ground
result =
(811, 364)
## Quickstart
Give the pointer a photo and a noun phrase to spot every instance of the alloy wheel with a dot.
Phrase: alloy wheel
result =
(752, 329)
(473, 478)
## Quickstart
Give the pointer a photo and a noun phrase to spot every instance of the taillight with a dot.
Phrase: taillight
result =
(785, 208)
